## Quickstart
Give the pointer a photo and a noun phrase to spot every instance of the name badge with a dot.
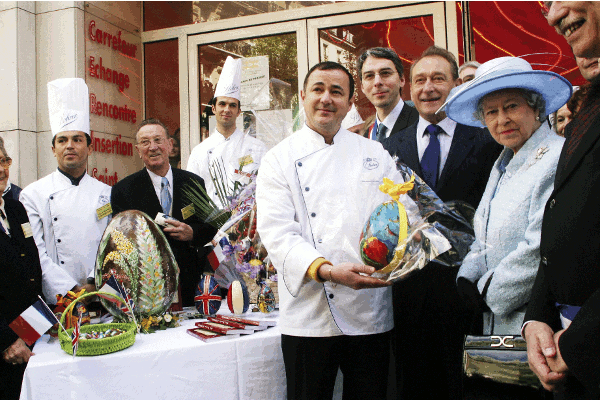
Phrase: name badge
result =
(246, 160)
(188, 211)
(27, 230)
(104, 211)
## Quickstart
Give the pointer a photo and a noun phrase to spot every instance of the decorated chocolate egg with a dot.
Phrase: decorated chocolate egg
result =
(238, 299)
(134, 250)
(379, 238)
(266, 299)
(208, 295)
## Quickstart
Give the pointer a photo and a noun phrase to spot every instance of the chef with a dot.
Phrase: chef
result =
(68, 209)
(237, 153)
(315, 191)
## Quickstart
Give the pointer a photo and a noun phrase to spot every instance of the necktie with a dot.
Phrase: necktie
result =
(431, 158)
(1, 224)
(165, 196)
(381, 129)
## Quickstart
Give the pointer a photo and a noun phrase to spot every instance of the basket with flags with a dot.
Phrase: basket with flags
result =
(72, 343)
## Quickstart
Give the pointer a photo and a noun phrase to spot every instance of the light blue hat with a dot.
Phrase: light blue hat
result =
(506, 73)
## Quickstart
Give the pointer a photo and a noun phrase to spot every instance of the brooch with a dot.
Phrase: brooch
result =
(540, 152)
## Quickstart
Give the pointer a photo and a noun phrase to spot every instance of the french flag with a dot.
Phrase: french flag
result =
(33, 322)
(216, 256)
(113, 286)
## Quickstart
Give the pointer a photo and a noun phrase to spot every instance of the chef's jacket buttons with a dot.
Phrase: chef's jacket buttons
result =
(62, 262)
(552, 203)
(313, 214)
(56, 219)
(299, 164)
(210, 152)
(331, 295)
(51, 197)
(307, 188)
(320, 240)
(58, 240)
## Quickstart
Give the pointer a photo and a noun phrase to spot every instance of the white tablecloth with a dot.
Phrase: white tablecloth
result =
(168, 364)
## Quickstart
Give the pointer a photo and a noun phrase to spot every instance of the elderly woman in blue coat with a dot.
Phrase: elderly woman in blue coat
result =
(512, 100)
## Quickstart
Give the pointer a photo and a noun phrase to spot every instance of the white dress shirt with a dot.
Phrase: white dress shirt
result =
(157, 183)
(390, 120)
(445, 139)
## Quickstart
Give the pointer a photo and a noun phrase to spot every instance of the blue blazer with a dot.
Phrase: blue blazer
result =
(467, 168)
(506, 253)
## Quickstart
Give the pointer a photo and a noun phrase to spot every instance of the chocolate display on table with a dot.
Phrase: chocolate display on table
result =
(135, 250)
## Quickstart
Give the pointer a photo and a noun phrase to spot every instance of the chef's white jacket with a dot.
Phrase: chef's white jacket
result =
(66, 228)
(228, 152)
(313, 201)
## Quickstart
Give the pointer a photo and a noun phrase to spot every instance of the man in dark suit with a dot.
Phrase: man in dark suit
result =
(563, 316)
(20, 286)
(455, 161)
(158, 188)
(381, 79)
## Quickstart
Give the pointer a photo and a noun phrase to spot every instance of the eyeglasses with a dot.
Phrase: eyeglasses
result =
(6, 162)
(546, 5)
(157, 141)
(385, 74)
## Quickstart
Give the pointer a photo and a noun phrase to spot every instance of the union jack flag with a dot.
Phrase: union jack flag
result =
(75, 338)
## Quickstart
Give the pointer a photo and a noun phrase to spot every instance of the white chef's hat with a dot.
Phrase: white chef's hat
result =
(69, 105)
(230, 81)
(353, 118)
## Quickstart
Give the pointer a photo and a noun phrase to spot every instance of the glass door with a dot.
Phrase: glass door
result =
(273, 57)
(408, 30)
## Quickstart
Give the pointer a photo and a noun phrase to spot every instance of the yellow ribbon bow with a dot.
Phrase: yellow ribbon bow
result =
(394, 191)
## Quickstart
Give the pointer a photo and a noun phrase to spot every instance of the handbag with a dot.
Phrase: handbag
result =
(501, 358)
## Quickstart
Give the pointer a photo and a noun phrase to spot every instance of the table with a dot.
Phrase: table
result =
(167, 364)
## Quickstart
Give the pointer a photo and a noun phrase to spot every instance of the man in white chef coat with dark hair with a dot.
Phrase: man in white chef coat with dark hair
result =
(315, 191)
(237, 153)
(68, 209)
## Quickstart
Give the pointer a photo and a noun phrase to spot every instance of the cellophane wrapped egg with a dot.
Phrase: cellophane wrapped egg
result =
(136, 252)
(208, 295)
(379, 237)
(266, 299)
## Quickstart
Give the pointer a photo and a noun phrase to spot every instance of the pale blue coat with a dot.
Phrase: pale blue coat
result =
(508, 226)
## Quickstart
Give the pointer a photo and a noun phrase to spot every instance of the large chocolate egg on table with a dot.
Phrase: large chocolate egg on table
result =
(136, 251)
(379, 237)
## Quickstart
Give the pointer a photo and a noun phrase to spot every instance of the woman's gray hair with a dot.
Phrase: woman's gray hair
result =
(534, 100)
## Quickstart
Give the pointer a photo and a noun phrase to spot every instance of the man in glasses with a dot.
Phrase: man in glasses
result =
(11, 191)
(66, 207)
(381, 79)
(563, 315)
(158, 188)
(23, 276)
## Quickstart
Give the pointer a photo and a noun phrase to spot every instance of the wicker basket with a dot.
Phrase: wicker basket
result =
(96, 347)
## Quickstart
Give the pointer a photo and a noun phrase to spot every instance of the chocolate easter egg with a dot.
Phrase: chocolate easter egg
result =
(266, 299)
(208, 295)
(238, 299)
(136, 252)
(379, 237)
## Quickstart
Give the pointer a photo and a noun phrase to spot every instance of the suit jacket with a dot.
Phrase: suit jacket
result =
(569, 271)
(467, 168)
(21, 281)
(13, 192)
(408, 116)
(136, 192)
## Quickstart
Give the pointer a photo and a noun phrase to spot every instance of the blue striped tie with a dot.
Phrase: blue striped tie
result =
(165, 196)
(430, 162)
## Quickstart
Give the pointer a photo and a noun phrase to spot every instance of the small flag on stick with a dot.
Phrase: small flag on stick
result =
(33, 322)
(75, 338)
